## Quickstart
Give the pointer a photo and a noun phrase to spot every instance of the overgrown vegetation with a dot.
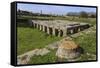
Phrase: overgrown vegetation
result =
(49, 58)
(29, 38)
(68, 18)
(87, 42)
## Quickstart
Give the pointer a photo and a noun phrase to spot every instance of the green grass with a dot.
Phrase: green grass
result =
(85, 57)
(29, 39)
(87, 42)
(48, 58)
(69, 18)
(86, 20)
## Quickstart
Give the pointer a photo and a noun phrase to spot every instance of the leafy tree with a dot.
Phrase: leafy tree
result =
(83, 14)
(93, 16)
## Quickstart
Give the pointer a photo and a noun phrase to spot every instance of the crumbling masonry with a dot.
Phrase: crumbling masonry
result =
(59, 27)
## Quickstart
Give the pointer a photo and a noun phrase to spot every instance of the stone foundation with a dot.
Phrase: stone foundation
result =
(59, 28)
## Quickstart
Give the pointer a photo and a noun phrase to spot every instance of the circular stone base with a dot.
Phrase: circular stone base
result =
(68, 49)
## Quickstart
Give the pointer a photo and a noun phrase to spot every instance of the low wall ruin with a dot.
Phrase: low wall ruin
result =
(59, 28)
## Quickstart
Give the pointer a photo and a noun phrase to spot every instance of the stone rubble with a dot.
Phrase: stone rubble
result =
(25, 58)
(53, 45)
(68, 49)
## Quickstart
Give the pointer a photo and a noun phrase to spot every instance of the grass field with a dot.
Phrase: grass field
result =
(49, 58)
(69, 18)
(29, 39)
(88, 43)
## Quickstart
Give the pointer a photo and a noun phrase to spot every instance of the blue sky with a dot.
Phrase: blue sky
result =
(53, 9)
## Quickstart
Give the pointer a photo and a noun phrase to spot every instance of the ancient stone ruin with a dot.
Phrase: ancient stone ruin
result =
(59, 27)
(25, 58)
(68, 49)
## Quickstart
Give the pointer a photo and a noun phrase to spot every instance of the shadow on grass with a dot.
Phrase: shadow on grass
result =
(23, 23)
(80, 50)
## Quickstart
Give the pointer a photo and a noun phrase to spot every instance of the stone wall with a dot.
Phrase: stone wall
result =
(58, 29)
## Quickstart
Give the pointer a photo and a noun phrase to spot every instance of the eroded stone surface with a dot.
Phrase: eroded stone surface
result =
(86, 31)
(53, 45)
(68, 49)
(60, 27)
(42, 52)
(25, 58)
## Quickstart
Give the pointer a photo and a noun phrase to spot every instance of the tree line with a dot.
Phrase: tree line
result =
(82, 14)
